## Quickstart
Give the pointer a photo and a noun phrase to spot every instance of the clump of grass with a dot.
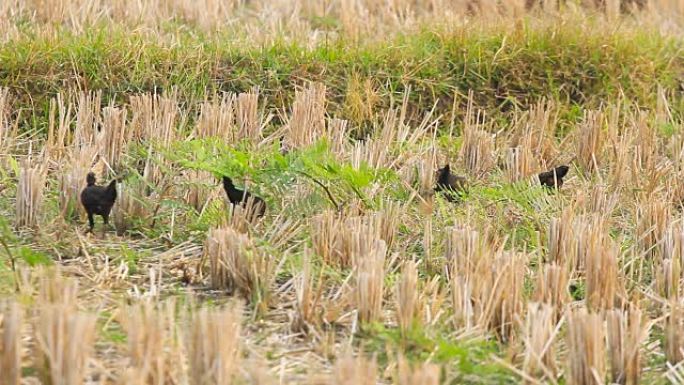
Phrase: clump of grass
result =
(11, 318)
(214, 346)
(586, 348)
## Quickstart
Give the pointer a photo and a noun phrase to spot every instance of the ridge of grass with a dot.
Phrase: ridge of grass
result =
(505, 68)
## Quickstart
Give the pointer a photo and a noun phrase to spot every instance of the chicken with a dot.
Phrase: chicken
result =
(98, 200)
(553, 178)
(240, 197)
(449, 183)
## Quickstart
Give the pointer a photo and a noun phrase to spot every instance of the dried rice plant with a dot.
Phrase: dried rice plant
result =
(11, 318)
(113, 136)
(309, 294)
(539, 334)
(350, 370)
(217, 118)
(152, 348)
(29, 198)
(626, 334)
(155, 120)
(668, 276)
(338, 239)
(407, 297)
(600, 254)
(486, 283)
(307, 121)
(59, 127)
(652, 224)
(64, 337)
(337, 135)
(87, 118)
(537, 131)
(477, 151)
(590, 141)
(8, 130)
(249, 123)
(586, 348)
(214, 352)
(199, 188)
(132, 203)
(423, 374)
(369, 278)
(674, 334)
(505, 301)
(73, 181)
(520, 163)
(551, 287)
(326, 239)
(236, 264)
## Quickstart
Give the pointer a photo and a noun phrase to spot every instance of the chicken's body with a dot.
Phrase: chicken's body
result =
(553, 178)
(449, 183)
(98, 200)
(240, 197)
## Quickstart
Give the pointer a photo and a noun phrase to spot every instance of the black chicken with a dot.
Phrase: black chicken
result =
(554, 178)
(449, 183)
(240, 197)
(98, 200)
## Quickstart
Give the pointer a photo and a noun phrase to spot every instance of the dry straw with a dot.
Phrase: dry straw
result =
(586, 348)
(214, 346)
(11, 317)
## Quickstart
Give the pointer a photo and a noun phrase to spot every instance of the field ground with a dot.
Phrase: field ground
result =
(338, 115)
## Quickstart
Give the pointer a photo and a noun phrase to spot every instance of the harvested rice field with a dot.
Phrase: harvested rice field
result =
(341, 192)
